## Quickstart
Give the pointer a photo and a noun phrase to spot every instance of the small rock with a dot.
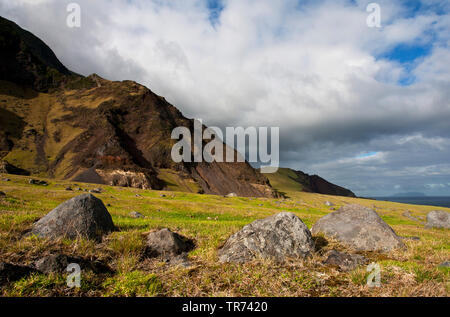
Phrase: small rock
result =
(445, 264)
(260, 205)
(96, 191)
(162, 195)
(278, 237)
(6, 180)
(58, 263)
(344, 261)
(2, 194)
(408, 215)
(411, 238)
(84, 215)
(438, 219)
(54, 263)
(135, 214)
(69, 188)
(180, 260)
(231, 195)
(209, 218)
(167, 244)
(12, 272)
(78, 189)
(37, 182)
(137, 195)
(329, 204)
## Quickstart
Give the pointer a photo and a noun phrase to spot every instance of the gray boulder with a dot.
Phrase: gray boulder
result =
(444, 264)
(82, 216)
(438, 219)
(231, 195)
(344, 261)
(360, 228)
(167, 244)
(329, 204)
(278, 237)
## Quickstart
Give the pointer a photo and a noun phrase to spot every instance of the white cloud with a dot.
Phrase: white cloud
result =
(310, 68)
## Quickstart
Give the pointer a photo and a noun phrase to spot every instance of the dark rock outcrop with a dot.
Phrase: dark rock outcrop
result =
(278, 237)
(167, 244)
(82, 216)
(6, 168)
(360, 228)
(37, 182)
(26, 60)
(13, 272)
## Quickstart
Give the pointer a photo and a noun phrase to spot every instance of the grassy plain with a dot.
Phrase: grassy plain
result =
(210, 220)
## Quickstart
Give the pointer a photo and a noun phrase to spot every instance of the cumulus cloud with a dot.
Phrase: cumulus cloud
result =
(313, 68)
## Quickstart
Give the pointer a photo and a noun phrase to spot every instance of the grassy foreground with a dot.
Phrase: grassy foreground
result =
(210, 220)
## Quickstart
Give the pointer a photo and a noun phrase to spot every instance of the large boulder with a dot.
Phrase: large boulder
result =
(438, 219)
(278, 237)
(82, 216)
(167, 244)
(359, 228)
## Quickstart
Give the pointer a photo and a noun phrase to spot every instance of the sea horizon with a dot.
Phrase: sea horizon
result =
(437, 201)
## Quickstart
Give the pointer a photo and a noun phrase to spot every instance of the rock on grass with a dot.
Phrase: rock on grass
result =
(82, 216)
(438, 219)
(167, 244)
(58, 263)
(278, 237)
(359, 228)
(344, 261)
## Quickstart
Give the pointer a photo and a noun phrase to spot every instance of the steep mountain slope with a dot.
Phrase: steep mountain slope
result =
(288, 180)
(58, 124)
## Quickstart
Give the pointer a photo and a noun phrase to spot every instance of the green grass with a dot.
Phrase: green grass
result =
(209, 220)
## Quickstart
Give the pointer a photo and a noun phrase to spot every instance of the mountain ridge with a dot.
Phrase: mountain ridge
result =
(58, 124)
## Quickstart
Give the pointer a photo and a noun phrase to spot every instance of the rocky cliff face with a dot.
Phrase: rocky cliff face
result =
(316, 184)
(59, 124)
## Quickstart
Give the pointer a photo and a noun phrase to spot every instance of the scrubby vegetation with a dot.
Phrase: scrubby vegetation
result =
(210, 220)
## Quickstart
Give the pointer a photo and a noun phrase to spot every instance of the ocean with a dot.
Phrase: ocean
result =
(427, 201)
